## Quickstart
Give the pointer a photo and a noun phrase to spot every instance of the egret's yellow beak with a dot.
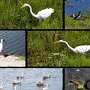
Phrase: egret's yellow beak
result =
(22, 6)
(56, 42)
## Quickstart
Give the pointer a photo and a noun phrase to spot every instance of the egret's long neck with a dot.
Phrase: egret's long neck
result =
(2, 41)
(32, 12)
(68, 46)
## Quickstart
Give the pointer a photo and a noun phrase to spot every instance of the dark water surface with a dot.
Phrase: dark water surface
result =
(7, 75)
(72, 73)
(15, 42)
(77, 6)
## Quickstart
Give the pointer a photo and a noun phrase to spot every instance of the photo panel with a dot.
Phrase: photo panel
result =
(77, 14)
(58, 48)
(31, 14)
(77, 79)
(12, 48)
(31, 78)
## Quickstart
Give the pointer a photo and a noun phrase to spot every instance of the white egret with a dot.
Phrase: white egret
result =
(40, 83)
(1, 45)
(1, 86)
(43, 14)
(79, 49)
(46, 76)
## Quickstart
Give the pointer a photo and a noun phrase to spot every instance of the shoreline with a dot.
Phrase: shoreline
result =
(12, 61)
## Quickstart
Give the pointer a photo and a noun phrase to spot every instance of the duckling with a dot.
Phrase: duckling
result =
(21, 76)
(40, 83)
(17, 81)
(77, 82)
(46, 76)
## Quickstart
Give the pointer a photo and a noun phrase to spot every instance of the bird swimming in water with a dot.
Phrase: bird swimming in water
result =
(81, 85)
(17, 81)
(21, 76)
(78, 83)
(46, 76)
(40, 83)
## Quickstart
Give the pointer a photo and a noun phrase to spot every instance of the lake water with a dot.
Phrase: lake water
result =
(15, 42)
(77, 6)
(7, 75)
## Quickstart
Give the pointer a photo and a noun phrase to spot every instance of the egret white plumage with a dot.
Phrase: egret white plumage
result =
(43, 14)
(1, 45)
(79, 49)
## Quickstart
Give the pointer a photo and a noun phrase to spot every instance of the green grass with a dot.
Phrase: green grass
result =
(12, 17)
(77, 24)
(42, 51)
(21, 58)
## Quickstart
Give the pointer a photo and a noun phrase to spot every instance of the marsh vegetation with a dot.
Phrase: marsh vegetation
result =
(42, 51)
(12, 17)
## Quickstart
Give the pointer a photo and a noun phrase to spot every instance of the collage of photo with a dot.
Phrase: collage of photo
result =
(44, 44)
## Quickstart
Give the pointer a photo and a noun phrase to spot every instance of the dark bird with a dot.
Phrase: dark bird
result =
(78, 16)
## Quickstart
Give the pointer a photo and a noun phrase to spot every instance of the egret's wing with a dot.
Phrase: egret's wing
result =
(46, 12)
(83, 48)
